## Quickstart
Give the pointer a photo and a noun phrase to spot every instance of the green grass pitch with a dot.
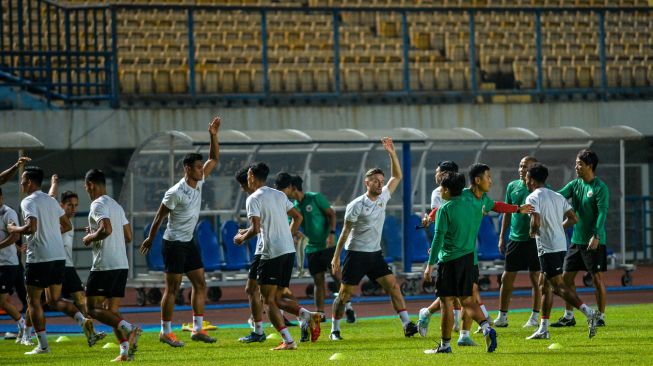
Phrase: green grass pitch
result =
(627, 340)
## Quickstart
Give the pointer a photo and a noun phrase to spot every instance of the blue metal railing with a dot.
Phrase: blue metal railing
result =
(641, 211)
(86, 67)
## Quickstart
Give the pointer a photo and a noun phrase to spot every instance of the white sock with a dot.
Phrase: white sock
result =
(456, 314)
(335, 325)
(285, 334)
(304, 314)
(569, 314)
(166, 326)
(125, 326)
(445, 344)
(484, 310)
(503, 315)
(197, 323)
(403, 315)
(79, 318)
(124, 348)
(282, 312)
(43, 339)
(348, 306)
(485, 326)
(28, 333)
(535, 315)
(20, 323)
(464, 333)
(544, 325)
(602, 316)
(585, 309)
(258, 327)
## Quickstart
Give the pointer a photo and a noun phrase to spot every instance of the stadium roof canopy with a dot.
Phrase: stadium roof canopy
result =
(19, 141)
(565, 134)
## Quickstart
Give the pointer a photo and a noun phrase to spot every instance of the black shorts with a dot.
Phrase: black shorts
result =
(276, 271)
(253, 267)
(580, 259)
(552, 263)
(181, 257)
(456, 277)
(360, 264)
(476, 275)
(522, 256)
(8, 278)
(108, 284)
(320, 261)
(44, 274)
(71, 283)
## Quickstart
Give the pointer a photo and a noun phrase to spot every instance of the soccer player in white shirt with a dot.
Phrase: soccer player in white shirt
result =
(551, 215)
(364, 220)
(181, 205)
(72, 288)
(44, 221)
(9, 265)
(268, 211)
(9, 172)
(108, 234)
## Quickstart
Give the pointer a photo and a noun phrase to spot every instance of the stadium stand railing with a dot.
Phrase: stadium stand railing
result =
(207, 50)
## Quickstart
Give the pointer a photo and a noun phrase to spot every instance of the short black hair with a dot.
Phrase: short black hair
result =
(454, 182)
(476, 170)
(35, 174)
(283, 180)
(0, 191)
(191, 158)
(374, 171)
(589, 157)
(260, 171)
(448, 166)
(95, 176)
(538, 172)
(67, 195)
(241, 175)
(298, 183)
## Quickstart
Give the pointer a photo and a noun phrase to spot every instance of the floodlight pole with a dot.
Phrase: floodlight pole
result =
(408, 204)
(622, 199)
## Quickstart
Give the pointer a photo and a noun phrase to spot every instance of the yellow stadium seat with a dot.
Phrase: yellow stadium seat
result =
(228, 81)
(145, 81)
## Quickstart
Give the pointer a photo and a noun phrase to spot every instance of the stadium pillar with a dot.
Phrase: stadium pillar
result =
(408, 204)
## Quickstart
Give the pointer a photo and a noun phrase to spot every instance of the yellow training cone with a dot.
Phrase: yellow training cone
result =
(110, 345)
(337, 357)
(62, 339)
(555, 346)
(273, 336)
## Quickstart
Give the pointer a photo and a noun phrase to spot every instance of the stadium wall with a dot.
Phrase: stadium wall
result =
(127, 128)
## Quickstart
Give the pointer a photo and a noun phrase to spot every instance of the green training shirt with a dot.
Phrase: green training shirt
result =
(590, 201)
(316, 223)
(520, 225)
(456, 227)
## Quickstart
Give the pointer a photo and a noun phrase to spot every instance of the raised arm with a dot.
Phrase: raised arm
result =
(395, 167)
(214, 147)
(54, 186)
(7, 174)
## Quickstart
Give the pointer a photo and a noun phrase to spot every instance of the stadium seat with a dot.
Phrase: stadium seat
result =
(236, 257)
(154, 257)
(418, 240)
(488, 240)
(391, 239)
(210, 250)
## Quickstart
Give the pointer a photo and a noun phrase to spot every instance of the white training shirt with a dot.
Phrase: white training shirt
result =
(272, 207)
(68, 238)
(46, 244)
(109, 253)
(259, 245)
(551, 206)
(368, 217)
(184, 203)
(436, 198)
(8, 255)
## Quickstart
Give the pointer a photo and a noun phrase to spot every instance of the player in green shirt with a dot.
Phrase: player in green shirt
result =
(319, 227)
(520, 251)
(590, 199)
(454, 249)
